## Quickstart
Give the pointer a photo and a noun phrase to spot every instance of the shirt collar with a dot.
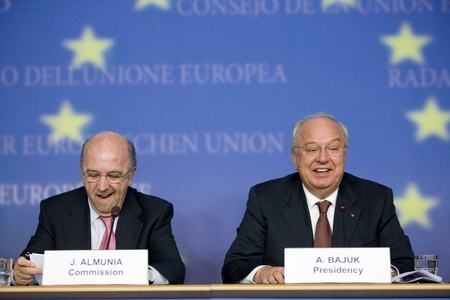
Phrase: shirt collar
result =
(94, 215)
(312, 200)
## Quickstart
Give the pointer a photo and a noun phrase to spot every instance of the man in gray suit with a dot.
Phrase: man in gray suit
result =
(283, 213)
(71, 221)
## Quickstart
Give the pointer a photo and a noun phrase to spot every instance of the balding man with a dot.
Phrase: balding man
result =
(71, 221)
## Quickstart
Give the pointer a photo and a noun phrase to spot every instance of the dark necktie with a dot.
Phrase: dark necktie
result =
(323, 229)
(112, 242)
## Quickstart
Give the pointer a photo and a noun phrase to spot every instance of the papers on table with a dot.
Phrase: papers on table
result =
(417, 276)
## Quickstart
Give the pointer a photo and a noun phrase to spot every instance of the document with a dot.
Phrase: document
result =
(38, 259)
(417, 276)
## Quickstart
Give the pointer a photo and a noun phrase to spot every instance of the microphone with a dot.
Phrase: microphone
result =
(115, 211)
(342, 208)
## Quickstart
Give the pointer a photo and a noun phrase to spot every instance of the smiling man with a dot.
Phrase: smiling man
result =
(284, 212)
(73, 220)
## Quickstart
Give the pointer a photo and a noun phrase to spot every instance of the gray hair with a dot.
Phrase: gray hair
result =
(299, 124)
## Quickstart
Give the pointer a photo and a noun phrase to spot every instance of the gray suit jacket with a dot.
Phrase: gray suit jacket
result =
(277, 216)
(144, 223)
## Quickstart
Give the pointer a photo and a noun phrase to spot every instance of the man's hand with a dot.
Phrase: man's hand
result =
(24, 271)
(269, 275)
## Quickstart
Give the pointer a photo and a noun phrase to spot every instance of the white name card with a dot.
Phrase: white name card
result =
(337, 265)
(90, 267)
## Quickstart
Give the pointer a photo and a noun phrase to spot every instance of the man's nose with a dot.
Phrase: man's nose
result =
(103, 183)
(323, 154)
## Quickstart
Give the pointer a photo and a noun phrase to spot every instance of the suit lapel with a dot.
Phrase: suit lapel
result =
(77, 225)
(297, 216)
(345, 222)
(129, 226)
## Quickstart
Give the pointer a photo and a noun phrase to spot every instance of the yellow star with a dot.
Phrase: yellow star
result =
(430, 121)
(141, 4)
(88, 49)
(406, 45)
(66, 124)
(414, 208)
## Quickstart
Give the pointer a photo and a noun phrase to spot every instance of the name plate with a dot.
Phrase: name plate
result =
(90, 267)
(337, 265)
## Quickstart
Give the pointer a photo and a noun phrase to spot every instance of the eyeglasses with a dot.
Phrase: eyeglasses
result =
(113, 177)
(313, 150)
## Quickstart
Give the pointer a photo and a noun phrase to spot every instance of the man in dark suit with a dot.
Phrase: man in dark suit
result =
(71, 221)
(283, 213)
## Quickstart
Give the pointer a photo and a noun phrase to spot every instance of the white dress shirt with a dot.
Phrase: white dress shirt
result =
(314, 209)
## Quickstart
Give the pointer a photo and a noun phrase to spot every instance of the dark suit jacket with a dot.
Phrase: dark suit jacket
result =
(144, 223)
(277, 216)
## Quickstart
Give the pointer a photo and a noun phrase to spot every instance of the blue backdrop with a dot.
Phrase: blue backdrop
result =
(208, 90)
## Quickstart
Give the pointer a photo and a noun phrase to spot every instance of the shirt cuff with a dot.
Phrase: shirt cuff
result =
(394, 271)
(159, 278)
(249, 278)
